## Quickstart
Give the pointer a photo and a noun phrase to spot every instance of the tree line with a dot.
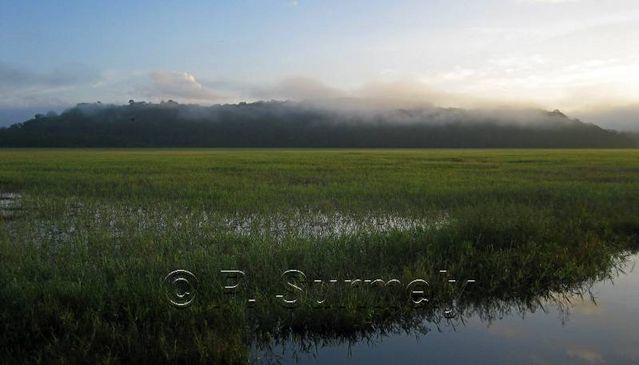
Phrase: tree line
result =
(291, 124)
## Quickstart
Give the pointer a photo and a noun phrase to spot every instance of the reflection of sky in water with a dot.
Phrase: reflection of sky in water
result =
(605, 333)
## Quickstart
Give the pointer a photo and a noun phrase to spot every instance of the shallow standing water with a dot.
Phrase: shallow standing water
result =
(577, 332)
(582, 331)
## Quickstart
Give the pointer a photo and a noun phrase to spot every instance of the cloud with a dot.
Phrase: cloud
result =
(22, 86)
(181, 86)
(585, 354)
(18, 78)
(599, 104)
(298, 88)
(621, 117)
(415, 93)
(24, 92)
(502, 330)
(372, 96)
(407, 93)
(9, 115)
(378, 95)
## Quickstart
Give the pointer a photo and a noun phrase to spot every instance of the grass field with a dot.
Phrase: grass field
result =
(94, 232)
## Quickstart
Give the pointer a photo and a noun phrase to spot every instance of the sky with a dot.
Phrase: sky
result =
(579, 56)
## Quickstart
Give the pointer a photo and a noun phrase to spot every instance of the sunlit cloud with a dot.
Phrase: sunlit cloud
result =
(297, 88)
(180, 86)
(502, 330)
(585, 354)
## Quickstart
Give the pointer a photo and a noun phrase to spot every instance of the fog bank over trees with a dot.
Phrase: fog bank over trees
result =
(303, 124)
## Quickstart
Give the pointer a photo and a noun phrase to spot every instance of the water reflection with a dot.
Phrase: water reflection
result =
(593, 321)
(542, 294)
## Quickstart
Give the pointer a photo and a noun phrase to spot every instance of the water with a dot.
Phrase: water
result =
(597, 326)
(602, 329)
(9, 205)
(313, 225)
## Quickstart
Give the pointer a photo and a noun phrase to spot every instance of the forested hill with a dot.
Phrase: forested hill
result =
(289, 124)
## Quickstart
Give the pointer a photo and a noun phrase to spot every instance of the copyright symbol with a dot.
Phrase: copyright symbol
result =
(180, 287)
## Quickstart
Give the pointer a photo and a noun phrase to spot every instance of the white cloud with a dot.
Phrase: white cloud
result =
(180, 86)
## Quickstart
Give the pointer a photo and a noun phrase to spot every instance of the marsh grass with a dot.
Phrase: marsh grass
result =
(82, 265)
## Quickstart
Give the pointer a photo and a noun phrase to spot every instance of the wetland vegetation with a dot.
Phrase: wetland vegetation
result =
(94, 232)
